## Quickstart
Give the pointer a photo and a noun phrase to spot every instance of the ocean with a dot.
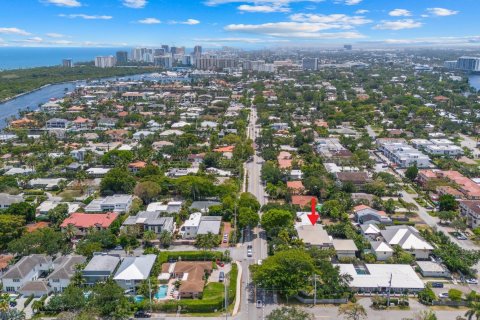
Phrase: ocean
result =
(15, 58)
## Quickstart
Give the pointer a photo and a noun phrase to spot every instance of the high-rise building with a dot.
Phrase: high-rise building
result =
(187, 60)
(347, 47)
(67, 63)
(197, 51)
(165, 48)
(468, 63)
(310, 64)
(164, 61)
(122, 57)
(105, 62)
(138, 54)
(158, 52)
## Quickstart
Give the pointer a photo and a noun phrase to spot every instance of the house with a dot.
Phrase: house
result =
(6, 200)
(471, 210)
(203, 206)
(37, 289)
(27, 269)
(382, 277)
(5, 260)
(366, 215)
(192, 276)
(433, 269)
(56, 123)
(136, 166)
(46, 183)
(18, 171)
(117, 203)
(209, 224)
(357, 179)
(382, 250)
(189, 229)
(169, 207)
(134, 270)
(107, 122)
(148, 220)
(295, 187)
(314, 236)
(303, 201)
(140, 135)
(409, 239)
(345, 248)
(97, 172)
(370, 230)
(84, 221)
(296, 174)
(64, 269)
(100, 268)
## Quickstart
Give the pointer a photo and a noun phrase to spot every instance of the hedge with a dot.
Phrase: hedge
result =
(166, 256)
(34, 192)
(27, 302)
(200, 305)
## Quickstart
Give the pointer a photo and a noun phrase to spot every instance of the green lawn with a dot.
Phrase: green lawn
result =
(213, 290)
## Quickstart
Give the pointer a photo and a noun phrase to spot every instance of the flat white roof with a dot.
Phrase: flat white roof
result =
(378, 275)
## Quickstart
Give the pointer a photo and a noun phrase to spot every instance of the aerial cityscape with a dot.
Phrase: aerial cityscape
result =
(240, 159)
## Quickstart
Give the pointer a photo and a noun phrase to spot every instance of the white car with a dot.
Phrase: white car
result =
(259, 303)
(443, 295)
(471, 281)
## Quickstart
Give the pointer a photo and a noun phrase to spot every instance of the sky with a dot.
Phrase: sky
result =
(249, 24)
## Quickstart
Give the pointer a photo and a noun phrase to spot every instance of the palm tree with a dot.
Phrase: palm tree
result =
(165, 238)
(149, 236)
(37, 305)
(70, 232)
(352, 311)
(474, 311)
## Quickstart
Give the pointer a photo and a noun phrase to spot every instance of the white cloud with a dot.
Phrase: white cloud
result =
(55, 35)
(348, 2)
(263, 8)
(188, 21)
(86, 16)
(258, 2)
(398, 24)
(441, 12)
(30, 40)
(361, 11)
(293, 30)
(14, 31)
(400, 13)
(149, 21)
(135, 4)
(243, 40)
(336, 21)
(64, 3)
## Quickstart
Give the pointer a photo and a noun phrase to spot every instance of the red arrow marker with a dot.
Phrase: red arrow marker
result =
(313, 216)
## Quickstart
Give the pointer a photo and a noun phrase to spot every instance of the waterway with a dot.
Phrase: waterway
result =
(474, 81)
(32, 100)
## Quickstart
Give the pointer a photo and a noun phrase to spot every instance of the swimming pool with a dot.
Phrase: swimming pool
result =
(162, 292)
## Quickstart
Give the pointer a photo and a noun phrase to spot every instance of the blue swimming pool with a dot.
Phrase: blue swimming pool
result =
(138, 299)
(162, 292)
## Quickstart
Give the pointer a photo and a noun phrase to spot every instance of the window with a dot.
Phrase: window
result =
(16, 280)
(10, 289)
(55, 280)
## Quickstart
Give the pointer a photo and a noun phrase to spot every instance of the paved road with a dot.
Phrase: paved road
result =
(256, 238)
(470, 144)
(371, 133)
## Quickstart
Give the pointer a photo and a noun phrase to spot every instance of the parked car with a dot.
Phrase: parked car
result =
(259, 303)
(142, 314)
(225, 238)
(221, 276)
(220, 263)
(461, 236)
(437, 284)
(471, 281)
(443, 295)
(249, 251)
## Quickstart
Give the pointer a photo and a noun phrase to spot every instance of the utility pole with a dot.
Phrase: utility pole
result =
(150, 293)
(315, 289)
(389, 288)
(226, 297)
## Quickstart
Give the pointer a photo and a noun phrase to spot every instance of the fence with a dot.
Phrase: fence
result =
(450, 303)
(321, 301)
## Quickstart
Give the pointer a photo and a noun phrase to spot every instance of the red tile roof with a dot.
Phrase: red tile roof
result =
(87, 220)
(303, 201)
(225, 149)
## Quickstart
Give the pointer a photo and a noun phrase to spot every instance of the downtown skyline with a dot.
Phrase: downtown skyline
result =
(249, 24)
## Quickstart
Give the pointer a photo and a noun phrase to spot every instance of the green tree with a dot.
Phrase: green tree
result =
(165, 238)
(271, 173)
(117, 180)
(148, 237)
(58, 214)
(22, 209)
(247, 217)
(287, 271)
(276, 219)
(425, 315)
(412, 172)
(332, 209)
(117, 158)
(289, 313)
(352, 311)
(45, 240)
(207, 241)
(147, 191)
(447, 202)
(447, 216)
(248, 200)
(148, 287)
(110, 301)
(11, 227)
(473, 311)
(455, 295)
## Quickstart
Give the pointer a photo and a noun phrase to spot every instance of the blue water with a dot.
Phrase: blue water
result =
(138, 299)
(474, 81)
(14, 58)
(162, 292)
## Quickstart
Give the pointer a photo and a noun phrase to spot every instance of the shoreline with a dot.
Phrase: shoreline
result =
(25, 93)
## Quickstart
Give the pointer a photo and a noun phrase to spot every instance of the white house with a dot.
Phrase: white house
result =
(64, 269)
(134, 270)
(345, 248)
(27, 269)
(6, 200)
(382, 250)
(116, 203)
(189, 229)
(409, 239)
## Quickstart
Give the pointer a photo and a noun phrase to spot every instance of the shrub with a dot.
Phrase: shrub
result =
(27, 302)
